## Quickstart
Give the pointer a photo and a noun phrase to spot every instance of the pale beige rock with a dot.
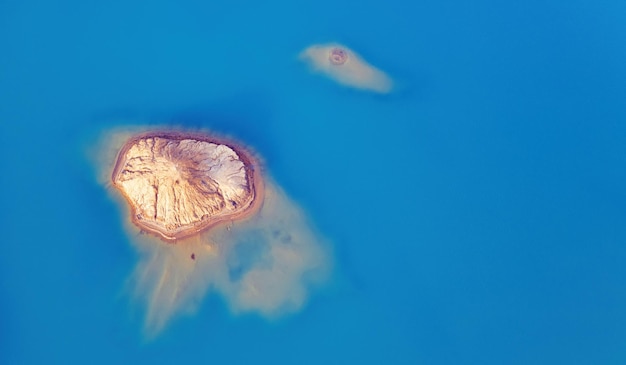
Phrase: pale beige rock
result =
(267, 258)
(178, 185)
(346, 67)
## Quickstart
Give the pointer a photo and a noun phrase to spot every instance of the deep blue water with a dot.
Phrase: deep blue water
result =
(477, 216)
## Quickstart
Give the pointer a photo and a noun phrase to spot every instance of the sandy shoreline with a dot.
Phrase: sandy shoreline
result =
(253, 174)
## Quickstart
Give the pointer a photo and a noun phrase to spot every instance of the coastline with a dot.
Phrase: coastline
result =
(253, 174)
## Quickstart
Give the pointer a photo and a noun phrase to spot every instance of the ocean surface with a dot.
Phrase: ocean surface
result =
(476, 215)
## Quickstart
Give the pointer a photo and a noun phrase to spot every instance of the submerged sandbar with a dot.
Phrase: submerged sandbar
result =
(346, 67)
(178, 184)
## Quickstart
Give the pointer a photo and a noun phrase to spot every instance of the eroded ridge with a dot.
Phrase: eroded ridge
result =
(179, 184)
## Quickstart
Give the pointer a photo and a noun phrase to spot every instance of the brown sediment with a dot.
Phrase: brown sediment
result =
(162, 164)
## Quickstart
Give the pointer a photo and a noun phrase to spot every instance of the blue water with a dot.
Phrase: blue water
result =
(477, 216)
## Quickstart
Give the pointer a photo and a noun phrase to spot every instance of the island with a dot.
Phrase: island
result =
(178, 184)
(345, 66)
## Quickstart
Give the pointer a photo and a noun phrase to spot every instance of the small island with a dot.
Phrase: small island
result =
(346, 67)
(179, 184)
(338, 56)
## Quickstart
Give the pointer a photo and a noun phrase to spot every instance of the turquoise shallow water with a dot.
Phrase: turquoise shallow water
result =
(477, 216)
